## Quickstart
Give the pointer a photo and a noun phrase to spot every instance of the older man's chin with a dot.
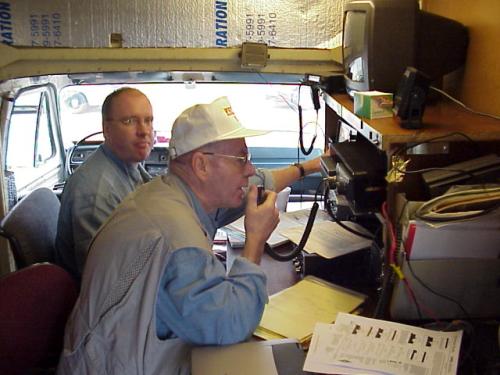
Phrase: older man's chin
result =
(236, 202)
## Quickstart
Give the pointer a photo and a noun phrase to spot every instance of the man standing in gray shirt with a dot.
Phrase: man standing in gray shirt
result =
(113, 171)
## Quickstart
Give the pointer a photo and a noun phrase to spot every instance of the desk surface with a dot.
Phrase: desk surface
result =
(439, 119)
(480, 347)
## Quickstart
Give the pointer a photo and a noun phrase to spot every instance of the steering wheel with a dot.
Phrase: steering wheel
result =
(72, 151)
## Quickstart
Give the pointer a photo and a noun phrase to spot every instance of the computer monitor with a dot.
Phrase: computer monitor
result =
(381, 38)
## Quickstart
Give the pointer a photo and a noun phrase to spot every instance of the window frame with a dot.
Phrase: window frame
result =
(44, 99)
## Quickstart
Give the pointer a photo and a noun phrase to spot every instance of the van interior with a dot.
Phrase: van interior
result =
(50, 117)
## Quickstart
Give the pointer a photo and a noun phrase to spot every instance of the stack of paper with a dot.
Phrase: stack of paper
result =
(293, 312)
(330, 240)
(356, 344)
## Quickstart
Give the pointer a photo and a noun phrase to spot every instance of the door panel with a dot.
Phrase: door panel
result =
(33, 157)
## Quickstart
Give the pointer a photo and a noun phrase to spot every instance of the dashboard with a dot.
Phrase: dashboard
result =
(262, 157)
(155, 164)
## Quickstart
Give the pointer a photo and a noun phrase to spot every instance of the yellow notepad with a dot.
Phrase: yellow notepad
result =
(293, 312)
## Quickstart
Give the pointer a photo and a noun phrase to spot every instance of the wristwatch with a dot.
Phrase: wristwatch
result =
(301, 169)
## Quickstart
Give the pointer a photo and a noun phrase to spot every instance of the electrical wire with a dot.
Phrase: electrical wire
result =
(436, 211)
(402, 149)
(399, 241)
(429, 311)
(327, 203)
(399, 238)
(301, 181)
(388, 280)
(413, 297)
(392, 248)
(392, 258)
(456, 101)
(428, 288)
(384, 295)
(433, 139)
(394, 264)
(301, 129)
(284, 257)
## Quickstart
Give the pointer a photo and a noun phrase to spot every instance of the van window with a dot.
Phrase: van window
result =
(30, 139)
(258, 106)
(273, 107)
(22, 132)
(44, 146)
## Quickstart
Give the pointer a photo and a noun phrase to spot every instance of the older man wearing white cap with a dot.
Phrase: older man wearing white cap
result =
(152, 287)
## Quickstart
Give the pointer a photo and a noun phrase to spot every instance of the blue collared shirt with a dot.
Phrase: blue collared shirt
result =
(196, 289)
(92, 192)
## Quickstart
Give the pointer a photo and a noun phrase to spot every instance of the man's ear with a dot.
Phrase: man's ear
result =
(201, 166)
(105, 129)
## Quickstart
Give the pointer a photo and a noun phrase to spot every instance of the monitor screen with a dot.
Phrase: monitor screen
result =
(381, 38)
(354, 42)
(378, 43)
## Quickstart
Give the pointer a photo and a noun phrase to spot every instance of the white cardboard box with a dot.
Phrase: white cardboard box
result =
(453, 270)
(472, 283)
(476, 238)
(373, 104)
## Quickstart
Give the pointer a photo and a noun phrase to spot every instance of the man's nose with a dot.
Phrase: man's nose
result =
(249, 168)
(144, 127)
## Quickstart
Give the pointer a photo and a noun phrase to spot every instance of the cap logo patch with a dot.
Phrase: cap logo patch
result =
(229, 111)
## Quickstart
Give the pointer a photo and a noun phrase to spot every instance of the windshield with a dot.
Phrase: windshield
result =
(258, 106)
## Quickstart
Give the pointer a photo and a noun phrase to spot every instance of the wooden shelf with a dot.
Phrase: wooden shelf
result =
(439, 120)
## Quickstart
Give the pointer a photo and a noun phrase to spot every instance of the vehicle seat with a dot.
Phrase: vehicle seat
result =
(31, 227)
(35, 304)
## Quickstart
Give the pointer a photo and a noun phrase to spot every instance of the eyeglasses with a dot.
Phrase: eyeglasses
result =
(134, 121)
(242, 159)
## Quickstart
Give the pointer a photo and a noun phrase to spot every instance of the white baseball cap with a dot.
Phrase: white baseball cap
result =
(202, 124)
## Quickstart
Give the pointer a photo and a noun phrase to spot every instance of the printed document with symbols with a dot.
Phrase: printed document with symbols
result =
(355, 344)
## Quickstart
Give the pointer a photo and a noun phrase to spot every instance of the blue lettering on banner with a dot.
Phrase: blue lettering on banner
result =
(221, 23)
(6, 23)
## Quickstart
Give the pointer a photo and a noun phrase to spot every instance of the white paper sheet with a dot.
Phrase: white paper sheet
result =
(329, 240)
(359, 345)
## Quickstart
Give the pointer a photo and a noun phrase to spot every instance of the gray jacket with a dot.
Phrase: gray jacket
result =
(112, 329)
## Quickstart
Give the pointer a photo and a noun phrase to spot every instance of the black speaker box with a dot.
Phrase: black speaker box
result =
(409, 102)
